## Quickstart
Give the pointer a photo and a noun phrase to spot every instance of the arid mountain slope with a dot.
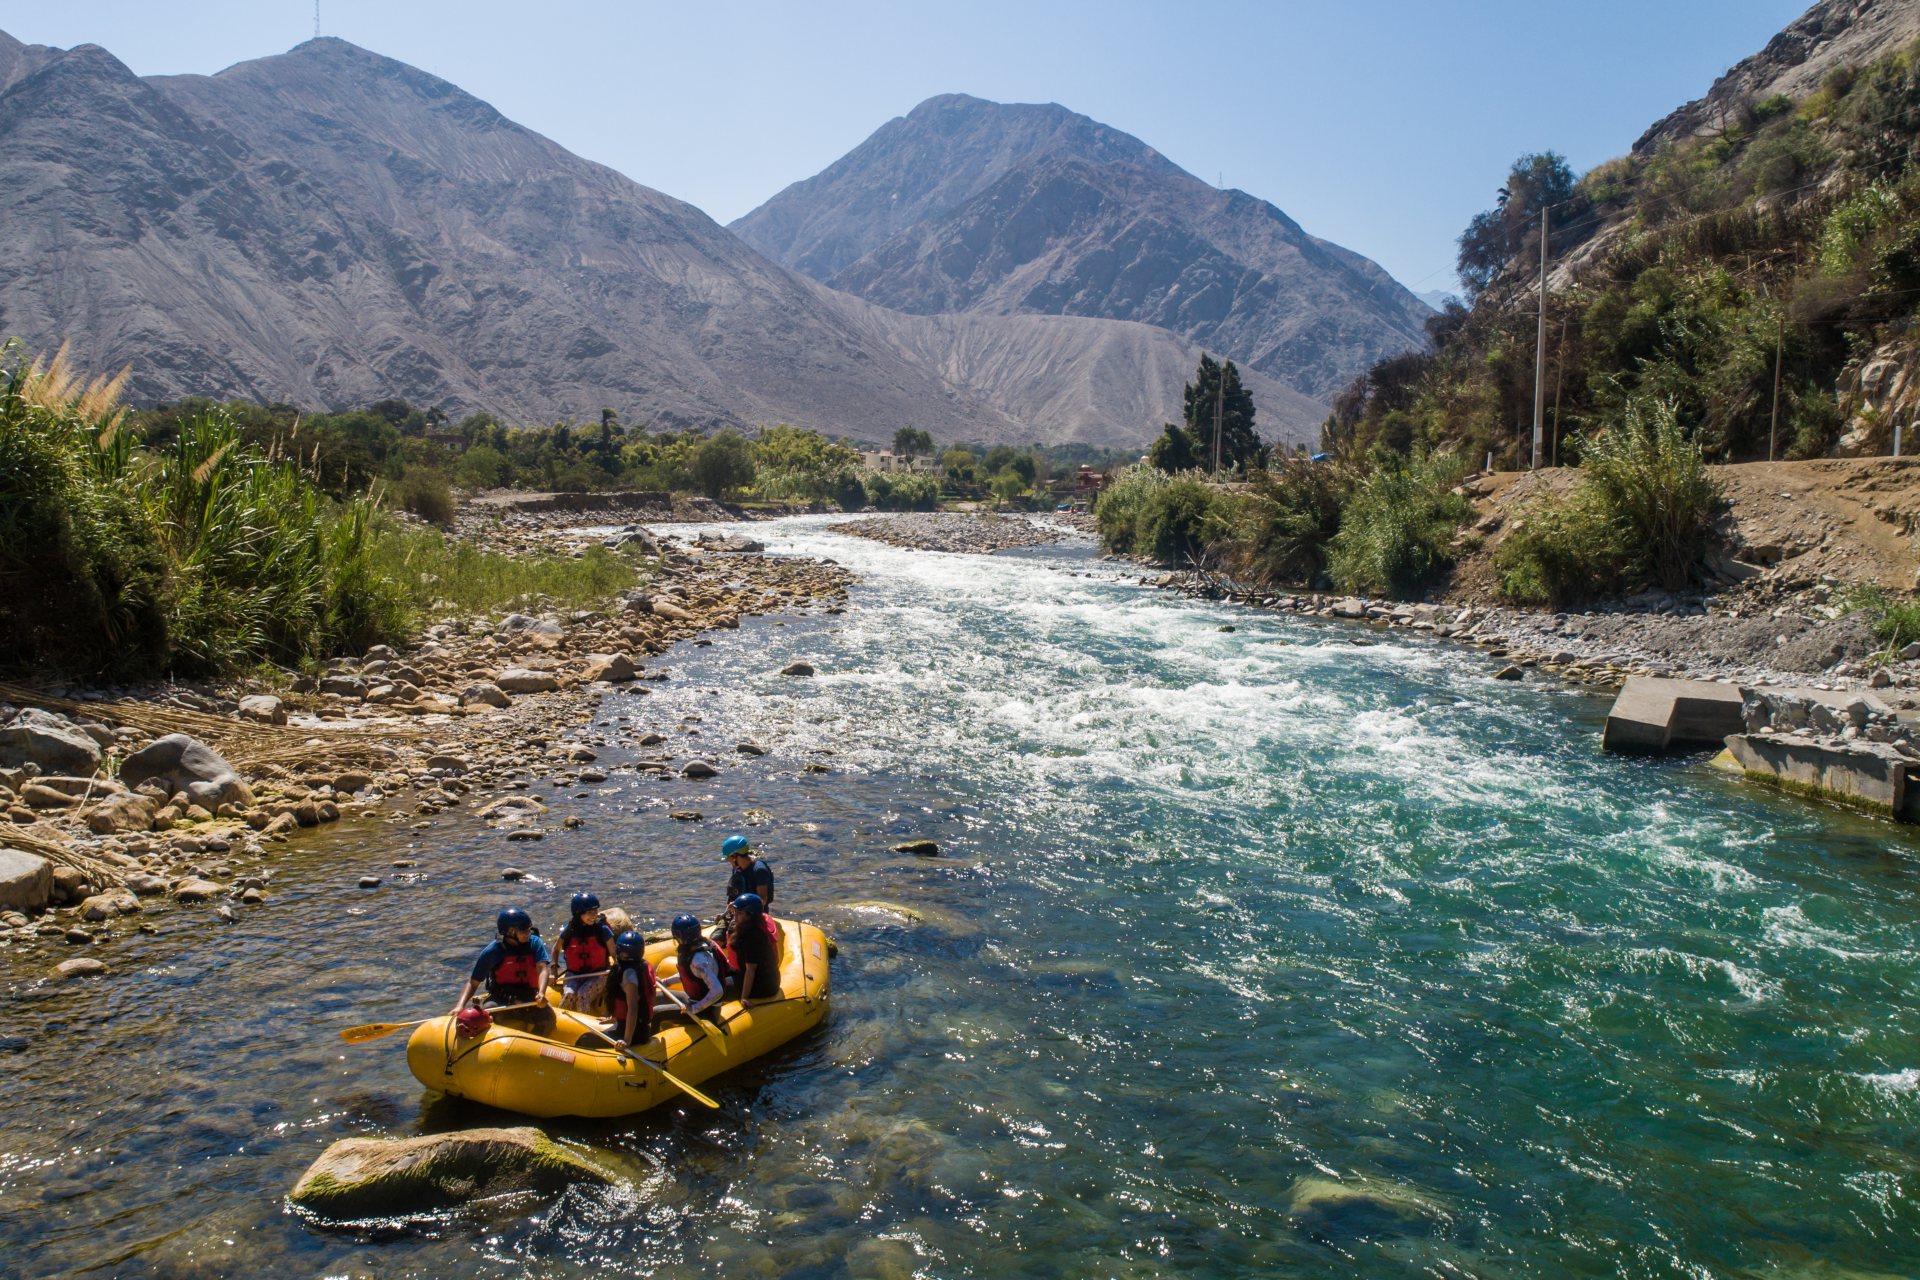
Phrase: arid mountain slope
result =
(330, 227)
(1833, 33)
(1005, 209)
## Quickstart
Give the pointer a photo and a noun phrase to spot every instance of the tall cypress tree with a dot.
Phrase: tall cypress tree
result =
(1239, 443)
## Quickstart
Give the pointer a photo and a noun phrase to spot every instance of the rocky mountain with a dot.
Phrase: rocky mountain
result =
(1005, 209)
(1833, 33)
(330, 227)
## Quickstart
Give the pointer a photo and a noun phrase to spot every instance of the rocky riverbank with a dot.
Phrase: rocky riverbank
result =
(209, 781)
(964, 532)
(1805, 641)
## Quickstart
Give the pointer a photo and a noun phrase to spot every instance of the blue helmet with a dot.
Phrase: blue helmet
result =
(686, 926)
(750, 904)
(631, 945)
(735, 846)
(583, 903)
(512, 918)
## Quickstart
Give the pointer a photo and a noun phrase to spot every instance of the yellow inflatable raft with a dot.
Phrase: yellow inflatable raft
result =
(572, 1073)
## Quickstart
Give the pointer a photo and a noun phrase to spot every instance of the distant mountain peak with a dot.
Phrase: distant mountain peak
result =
(330, 227)
(1009, 208)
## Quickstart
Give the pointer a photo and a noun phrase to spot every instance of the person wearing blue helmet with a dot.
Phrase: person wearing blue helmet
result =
(513, 969)
(755, 943)
(586, 951)
(751, 874)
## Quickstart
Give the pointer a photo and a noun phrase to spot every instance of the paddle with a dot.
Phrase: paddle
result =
(668, 1076)
(719, 1041)
(380, 1030)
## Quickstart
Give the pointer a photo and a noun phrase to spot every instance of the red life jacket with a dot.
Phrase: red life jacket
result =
(514, 979)
(586, 949)
(691, 983)
(617, 996)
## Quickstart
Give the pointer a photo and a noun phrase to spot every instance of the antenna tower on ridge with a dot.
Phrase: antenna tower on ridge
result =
(316, 19)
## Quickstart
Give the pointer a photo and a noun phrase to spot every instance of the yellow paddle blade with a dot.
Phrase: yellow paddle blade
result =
(684, 1087)
(373, 1031)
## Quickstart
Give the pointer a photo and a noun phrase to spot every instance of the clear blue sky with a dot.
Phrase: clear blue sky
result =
(1383, 125)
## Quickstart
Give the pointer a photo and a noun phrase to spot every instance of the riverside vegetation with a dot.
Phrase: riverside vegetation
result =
(198, 550)
(1786, 240)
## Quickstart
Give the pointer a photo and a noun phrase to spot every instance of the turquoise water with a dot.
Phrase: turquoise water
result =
(1250, 953)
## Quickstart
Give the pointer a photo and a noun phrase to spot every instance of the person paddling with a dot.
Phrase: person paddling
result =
(514, 969)
(630, 996)
(586, 949)
(704, 973)
(755, 941)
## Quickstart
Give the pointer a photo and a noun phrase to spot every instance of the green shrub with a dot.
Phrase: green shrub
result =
(1174, 524)
(1398, 526)
(1897, 620)
(1116, 512)
(902, 491)
(1280, 529)
(1639, 516)
(424, 491)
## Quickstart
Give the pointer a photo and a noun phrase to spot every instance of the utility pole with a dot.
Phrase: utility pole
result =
(1779, 348)
(1219, 410)
(1540, 347)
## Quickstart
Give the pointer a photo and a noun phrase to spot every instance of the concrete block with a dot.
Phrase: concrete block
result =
(1869, 775)
(1654, 714)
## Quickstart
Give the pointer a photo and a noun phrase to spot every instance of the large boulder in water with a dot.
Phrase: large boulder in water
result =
(180, 763)
(52, 742)
(385, 1177)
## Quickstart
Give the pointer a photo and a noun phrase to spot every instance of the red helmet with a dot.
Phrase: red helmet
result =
(472, 1021)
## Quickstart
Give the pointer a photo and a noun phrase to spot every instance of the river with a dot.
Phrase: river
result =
(1290, 949)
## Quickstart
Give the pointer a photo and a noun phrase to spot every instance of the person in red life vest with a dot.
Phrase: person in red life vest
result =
(630, 995)
(704, 971)
(586, 952)
(513, 969)
(755, 943)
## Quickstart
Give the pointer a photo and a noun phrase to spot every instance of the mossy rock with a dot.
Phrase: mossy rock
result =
(1365, 1206)
(359, 1178)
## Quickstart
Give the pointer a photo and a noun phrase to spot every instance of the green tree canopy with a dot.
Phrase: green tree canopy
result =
(723, 462)
(1536, 181)
(911, 442)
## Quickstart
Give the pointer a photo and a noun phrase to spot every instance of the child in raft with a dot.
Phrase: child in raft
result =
(586, 951)
(630, 995)
(514, 970)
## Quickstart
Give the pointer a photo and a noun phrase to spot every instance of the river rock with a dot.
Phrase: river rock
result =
(485, 694)
(344, 686)
(81, 967)
(70, 884)
(521, 680)
(615, 668)
(263, 708)
(1508, 672)
(527, 833)
(194, 889)
(145, 884)
(121, 815)
(384, 1177)
(669, 609)
(698, 769)
(39, 795)
(919, 848)
(449, 764)
(26, 882)
(369, 882)
(1364, 1206)
(53, 743)
(750, 749)
(180, 763)
(797, 669)
(109, 906)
